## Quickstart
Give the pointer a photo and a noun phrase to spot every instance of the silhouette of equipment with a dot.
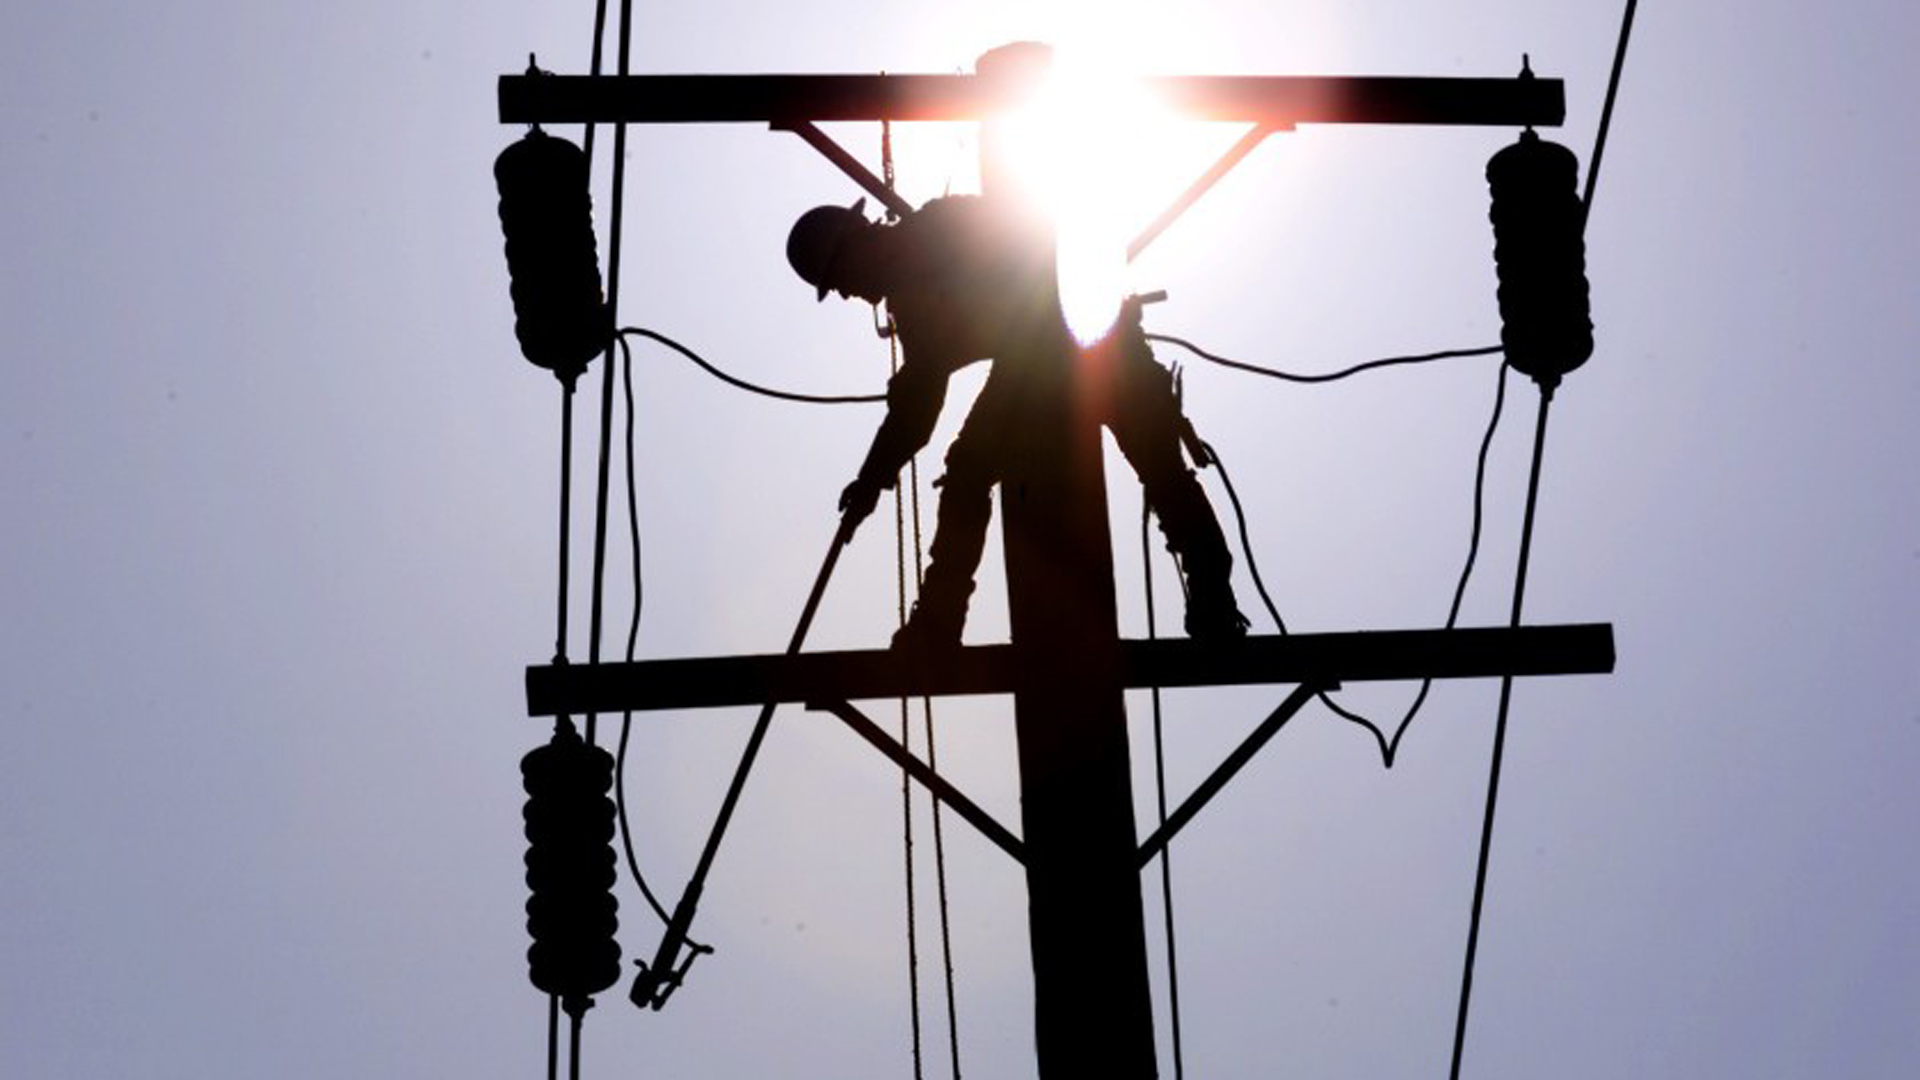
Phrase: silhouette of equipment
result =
(546, 212)
(572, 912)
(657, 981)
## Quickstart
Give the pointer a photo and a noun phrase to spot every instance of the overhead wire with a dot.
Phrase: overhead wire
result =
(1323, 377)
(1520, 573)
(1388, 743)
(735, 381)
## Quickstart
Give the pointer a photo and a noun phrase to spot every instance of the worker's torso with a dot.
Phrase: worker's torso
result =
(973, 284)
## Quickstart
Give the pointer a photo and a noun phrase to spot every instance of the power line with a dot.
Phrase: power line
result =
(1520, 576)
(750, 387)
(1389, 744)
(614, 231)
(1606, 110)
(1331, 376)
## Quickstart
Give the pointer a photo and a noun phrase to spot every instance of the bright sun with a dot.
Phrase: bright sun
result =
(1096, 151)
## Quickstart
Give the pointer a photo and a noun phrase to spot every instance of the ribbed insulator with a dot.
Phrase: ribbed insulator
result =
(572, 913)
(1540, 256)
(546, 212)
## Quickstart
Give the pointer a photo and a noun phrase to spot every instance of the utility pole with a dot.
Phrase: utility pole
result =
(1093, 1008)
(1066, 665)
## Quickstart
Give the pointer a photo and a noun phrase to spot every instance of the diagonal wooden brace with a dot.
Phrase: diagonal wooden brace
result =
(929, 779)
(1242, 754)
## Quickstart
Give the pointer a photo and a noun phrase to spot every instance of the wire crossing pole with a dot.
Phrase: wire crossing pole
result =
(1093, 1009)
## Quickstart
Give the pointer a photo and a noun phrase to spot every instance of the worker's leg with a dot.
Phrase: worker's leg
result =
(960, 531)
(1147, 424)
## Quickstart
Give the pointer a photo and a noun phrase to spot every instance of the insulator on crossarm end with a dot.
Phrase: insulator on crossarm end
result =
(1539, 253)
(546, 212)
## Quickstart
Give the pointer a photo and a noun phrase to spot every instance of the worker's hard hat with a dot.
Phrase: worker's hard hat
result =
(815, 242)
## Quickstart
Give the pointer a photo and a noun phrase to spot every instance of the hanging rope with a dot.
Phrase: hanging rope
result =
(900, 613)
(906, 509)
(906, 789)
(939, 833)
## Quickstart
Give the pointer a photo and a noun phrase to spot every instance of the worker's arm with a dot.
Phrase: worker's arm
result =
(914, 397)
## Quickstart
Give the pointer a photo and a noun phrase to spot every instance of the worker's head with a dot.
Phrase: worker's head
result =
(830, 247)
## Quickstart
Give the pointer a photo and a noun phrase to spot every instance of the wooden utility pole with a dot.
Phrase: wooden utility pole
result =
(1093, 1007)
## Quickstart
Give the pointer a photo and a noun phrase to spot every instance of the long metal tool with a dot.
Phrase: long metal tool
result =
(657, 981)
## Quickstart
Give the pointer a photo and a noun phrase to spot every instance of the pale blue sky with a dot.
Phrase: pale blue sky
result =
(278, 545)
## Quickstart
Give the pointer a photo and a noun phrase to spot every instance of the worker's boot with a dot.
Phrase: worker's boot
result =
(937, 618)
(1212, 614)
(1193, 534)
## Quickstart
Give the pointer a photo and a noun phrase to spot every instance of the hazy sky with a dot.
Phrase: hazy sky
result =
(278, 544)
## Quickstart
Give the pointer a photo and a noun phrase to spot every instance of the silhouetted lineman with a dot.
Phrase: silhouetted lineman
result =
(965, 280)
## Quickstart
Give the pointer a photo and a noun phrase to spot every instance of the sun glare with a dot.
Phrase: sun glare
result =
(1091, 149)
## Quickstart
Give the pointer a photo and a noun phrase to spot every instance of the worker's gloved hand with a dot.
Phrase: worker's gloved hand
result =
(857, 501)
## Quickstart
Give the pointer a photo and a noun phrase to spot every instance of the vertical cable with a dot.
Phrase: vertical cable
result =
(1499, 736)
(553, 1037)
(573, 1049)
(566, 532)
(566, 499)
(593, 66)
(1160, 790)
(606, 383)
